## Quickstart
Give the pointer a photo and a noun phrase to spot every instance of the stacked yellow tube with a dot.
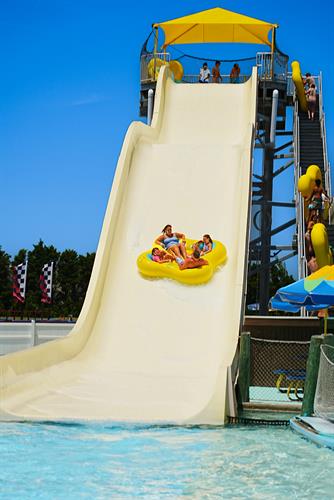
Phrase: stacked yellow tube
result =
(298, 81)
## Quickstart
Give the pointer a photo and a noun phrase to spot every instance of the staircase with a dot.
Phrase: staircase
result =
(310, 143)
(330, 234)
(311, 152)
(310, 138)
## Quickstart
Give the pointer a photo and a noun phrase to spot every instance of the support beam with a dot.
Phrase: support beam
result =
(284, 132)
(277, 230)
(258, 177)
(266, 220)
(282, 156)
(272, 263)
(284, 204)
(283, 247)
(274, 108)
(283, 168)
(286, 145)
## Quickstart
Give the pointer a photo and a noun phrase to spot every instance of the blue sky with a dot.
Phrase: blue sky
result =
(69, 89)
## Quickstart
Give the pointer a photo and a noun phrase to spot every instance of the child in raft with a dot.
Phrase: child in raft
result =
(204, 245)
(208, 243)
(193, 261)
(161, 257)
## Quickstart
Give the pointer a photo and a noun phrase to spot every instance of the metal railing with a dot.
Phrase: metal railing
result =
(290, 87)
(280, 66)
(272, 67)
(145, 59)
(225, 79)
(322, 121)
(299, 200)
(264, 65)
(300, 213)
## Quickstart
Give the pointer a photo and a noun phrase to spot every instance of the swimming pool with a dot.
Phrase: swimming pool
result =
(97, 461)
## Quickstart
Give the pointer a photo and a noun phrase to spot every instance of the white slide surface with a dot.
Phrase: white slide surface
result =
(155, 350)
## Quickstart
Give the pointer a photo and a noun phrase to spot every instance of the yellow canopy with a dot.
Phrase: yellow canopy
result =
(215, 26)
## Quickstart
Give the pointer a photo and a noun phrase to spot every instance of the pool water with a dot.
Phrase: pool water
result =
(50, 461)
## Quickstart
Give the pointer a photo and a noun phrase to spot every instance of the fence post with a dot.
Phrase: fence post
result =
(312, 368)
(244, 366)
(34, 338)
(329, 339)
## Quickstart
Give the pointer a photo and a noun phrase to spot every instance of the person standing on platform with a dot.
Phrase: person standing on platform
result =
(204, 75)
(216, 76)
(235, 73)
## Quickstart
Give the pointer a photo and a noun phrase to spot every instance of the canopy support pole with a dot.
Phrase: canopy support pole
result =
(155, 51)
(273, 36)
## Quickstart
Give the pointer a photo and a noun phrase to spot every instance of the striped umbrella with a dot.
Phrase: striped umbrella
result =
(315, 292)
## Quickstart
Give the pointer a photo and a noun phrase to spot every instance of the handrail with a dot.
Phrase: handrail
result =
(302, 262)
(194, 78)
(324, 139)
(300, 221)
(272, 66)
(144, 62)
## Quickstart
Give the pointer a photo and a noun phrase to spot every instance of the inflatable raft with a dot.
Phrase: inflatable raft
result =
(150, 269)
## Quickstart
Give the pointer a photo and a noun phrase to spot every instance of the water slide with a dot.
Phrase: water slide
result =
(148, 350)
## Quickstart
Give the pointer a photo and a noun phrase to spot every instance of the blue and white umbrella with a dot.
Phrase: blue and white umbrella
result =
(315, 292)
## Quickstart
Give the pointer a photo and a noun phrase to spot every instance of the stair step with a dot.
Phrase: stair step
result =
(311, 148)
(311, 161)
(330, 233)
(305, 159)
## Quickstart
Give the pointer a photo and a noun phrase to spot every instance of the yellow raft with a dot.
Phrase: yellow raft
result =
(148, 268)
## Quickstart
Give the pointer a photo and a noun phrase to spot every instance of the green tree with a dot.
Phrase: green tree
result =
(86, 263)
(20, 257)
(5, 281)
(70, 281)
(66, 289)
(279, 277)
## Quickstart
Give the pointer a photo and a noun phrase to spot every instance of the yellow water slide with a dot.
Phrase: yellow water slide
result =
(155, 350)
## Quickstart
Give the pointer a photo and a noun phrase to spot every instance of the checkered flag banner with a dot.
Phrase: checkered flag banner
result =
(20, 281)
(45, 282)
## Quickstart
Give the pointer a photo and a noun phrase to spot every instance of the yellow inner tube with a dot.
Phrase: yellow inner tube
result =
(298, 81)
(154, 66)
(177, 70)
(150, 269)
